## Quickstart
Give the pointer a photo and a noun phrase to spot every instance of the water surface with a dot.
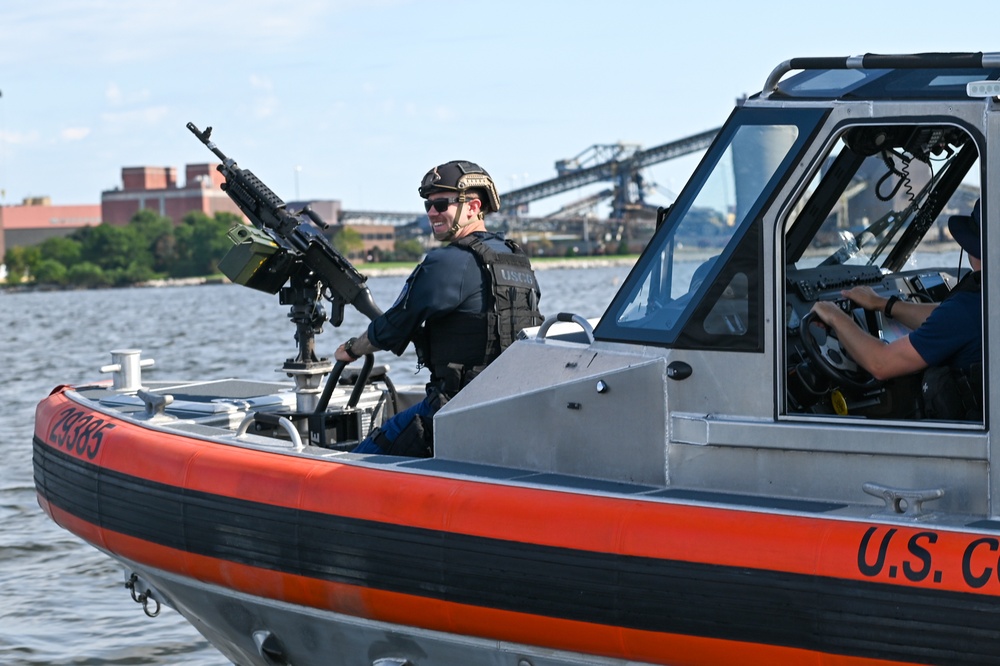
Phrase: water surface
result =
(64, 602)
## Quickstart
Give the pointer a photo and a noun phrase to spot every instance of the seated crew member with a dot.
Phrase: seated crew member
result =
(461, 306)
(945, 338)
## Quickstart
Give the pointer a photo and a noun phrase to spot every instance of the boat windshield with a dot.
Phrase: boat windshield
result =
(882, 192)
(698, 265)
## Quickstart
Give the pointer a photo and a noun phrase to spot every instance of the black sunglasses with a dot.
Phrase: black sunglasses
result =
(440, 205)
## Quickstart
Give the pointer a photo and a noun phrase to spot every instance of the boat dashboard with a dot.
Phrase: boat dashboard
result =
(822, 378)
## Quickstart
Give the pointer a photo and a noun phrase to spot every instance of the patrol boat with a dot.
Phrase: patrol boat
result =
(703, 477)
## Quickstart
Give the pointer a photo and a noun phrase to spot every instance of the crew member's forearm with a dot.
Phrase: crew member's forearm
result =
(908, 313)
(881, 360)
(865, 349)
(362, 345)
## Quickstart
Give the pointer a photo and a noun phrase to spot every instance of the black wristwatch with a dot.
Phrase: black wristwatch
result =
(348, 348)
(888, 306)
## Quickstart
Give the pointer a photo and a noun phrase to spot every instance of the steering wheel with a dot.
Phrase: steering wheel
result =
(824, 350)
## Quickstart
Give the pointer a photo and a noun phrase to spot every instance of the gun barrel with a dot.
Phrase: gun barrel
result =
(204, 137)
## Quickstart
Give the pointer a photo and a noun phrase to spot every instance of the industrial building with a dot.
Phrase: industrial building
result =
(158, 189)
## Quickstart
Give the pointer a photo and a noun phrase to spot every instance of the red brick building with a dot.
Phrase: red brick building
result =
(378, 239)
(37, 220)
(156, 189)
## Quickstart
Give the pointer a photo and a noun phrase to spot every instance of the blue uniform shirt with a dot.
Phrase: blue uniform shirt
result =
(953, 333)
(447, 280)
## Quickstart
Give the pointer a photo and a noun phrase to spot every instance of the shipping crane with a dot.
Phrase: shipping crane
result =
(619, 163)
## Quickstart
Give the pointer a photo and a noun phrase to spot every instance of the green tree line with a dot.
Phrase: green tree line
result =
(150, 247)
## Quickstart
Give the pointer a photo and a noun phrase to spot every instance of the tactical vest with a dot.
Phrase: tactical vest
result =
(953, 393)
(459, 345)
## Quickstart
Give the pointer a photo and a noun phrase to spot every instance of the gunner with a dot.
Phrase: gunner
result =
(461, 306)
(945, 339)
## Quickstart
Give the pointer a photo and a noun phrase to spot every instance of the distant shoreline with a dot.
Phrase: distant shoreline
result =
(372, 270)
(537, 263)
(368, 270)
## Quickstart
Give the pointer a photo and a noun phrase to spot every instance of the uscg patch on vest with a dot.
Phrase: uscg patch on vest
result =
(511, 276)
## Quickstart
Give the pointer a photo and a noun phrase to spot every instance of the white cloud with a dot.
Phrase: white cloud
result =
(113, 94)
(75, 133)
(18, 138)
(111, 31)
(265, 107)
(444, 114)
(148, 116)
(261, 82)
(118, 97)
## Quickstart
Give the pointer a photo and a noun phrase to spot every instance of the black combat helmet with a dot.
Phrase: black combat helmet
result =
(460, 176)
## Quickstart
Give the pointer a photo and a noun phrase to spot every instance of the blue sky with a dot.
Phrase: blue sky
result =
(355, 100)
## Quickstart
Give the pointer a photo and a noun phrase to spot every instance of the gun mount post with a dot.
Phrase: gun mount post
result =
(306, 369)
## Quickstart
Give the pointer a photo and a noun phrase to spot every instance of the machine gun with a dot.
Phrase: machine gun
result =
(288, 244)
(283, 247)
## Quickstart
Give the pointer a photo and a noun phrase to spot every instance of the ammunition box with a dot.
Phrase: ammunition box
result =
(256, 260)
